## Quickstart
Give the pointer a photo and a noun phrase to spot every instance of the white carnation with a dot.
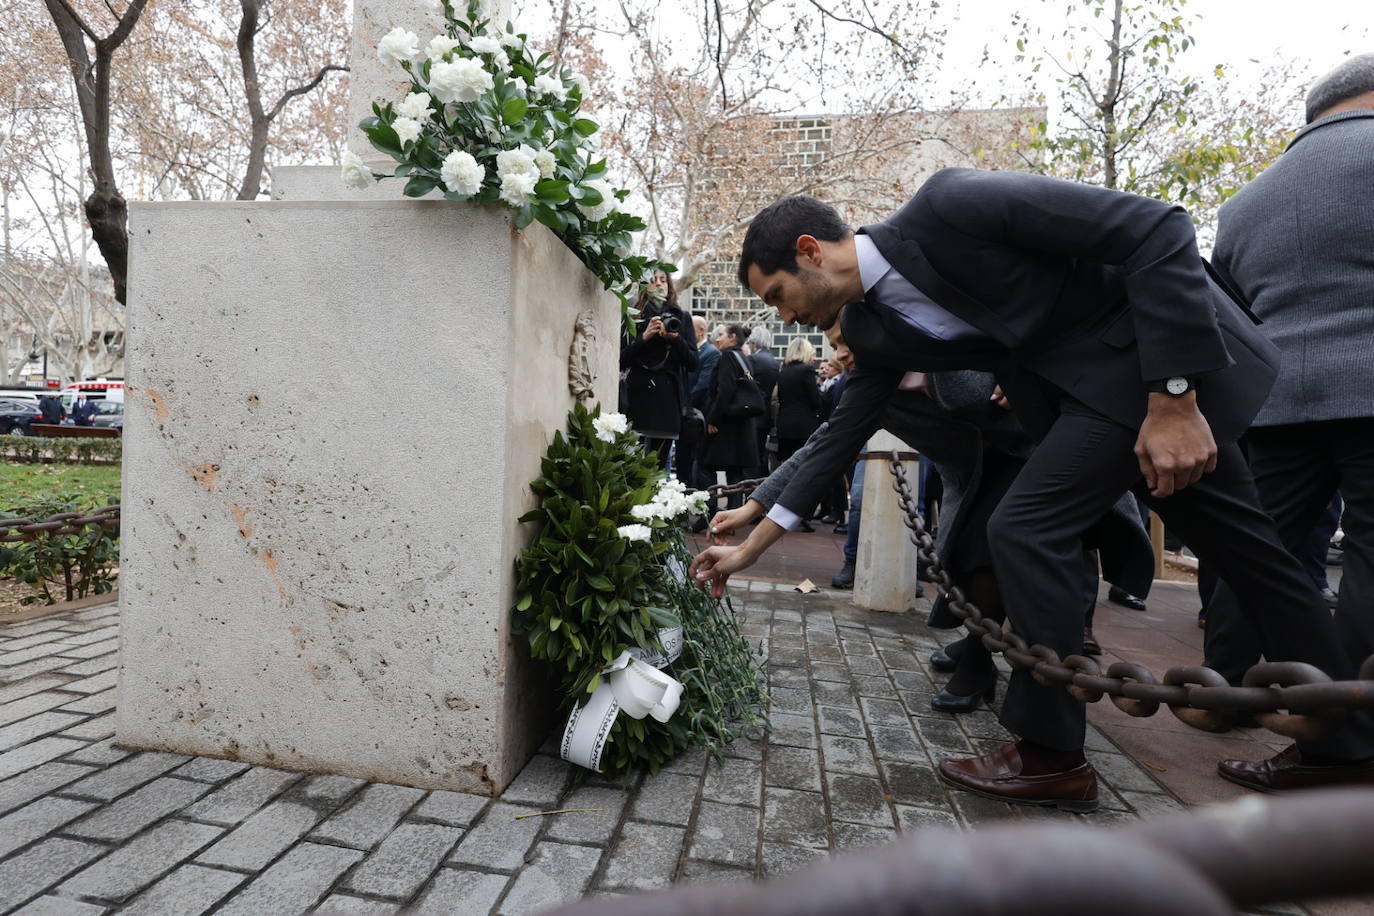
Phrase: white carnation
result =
(645, 512)
(462, 174)
(517, 187)
(416, 105)
(408, 129)
(595, 212)
(582, 84)
(398, 45)
(548, 84)
(609, 425)
(511, 40)
(484, 44)
(440, 46)
(635, 532)
(356, 174)
(462, 80)
(546, 163)
(519, 161)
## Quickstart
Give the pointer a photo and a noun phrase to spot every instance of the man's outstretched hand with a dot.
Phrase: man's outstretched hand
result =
(715, 565)
(1175, 446)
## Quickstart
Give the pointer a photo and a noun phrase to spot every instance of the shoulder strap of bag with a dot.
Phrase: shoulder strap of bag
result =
(743, 364)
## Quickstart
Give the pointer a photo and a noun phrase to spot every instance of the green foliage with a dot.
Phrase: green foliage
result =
(79, 449)
(512, 114)
(586, 594)
(23, 486)
(63, 567)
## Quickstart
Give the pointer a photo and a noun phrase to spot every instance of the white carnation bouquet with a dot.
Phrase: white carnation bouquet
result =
(486, 119)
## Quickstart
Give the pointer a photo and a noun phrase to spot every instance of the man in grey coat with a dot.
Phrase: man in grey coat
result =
(1298, 243)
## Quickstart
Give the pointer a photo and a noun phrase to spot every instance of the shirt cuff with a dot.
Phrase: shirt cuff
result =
(784, 516)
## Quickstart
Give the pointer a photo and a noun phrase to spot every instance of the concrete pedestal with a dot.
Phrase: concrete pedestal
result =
(335, 412)
(885, 565)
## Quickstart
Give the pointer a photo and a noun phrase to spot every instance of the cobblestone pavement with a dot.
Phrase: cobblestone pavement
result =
(87, 828)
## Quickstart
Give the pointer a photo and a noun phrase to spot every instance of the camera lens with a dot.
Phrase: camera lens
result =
(672, 324)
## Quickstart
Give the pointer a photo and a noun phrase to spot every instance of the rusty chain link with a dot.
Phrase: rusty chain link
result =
(17, 530)
(1290, 698)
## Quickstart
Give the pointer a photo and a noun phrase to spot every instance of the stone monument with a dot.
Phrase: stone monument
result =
(336, 409)
(885, 565)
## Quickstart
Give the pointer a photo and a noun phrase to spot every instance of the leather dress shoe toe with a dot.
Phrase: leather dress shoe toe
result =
(1090, 644)
(944, 701)
(940, 661)
(1125, 599)
(805, 526)
(998, 775)
(1285, 770)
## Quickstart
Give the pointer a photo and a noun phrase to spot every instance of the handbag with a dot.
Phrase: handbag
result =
(693, 426)
(747, 400)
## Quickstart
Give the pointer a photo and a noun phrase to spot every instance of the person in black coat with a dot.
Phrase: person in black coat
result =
(50, 408)
(658, 361)
(766, 368)
(731, 444)
(799, 398)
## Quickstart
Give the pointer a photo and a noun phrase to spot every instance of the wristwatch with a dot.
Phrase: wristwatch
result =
(1177, 386)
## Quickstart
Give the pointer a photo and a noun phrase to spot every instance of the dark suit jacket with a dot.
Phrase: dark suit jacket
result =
(1075, 289)
(799, 401)
(707, 357)
(766, 371)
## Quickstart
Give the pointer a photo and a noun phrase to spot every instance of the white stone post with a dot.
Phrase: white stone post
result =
(885, 567)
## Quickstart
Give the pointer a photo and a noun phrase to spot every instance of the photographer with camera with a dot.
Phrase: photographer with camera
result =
(656, 363)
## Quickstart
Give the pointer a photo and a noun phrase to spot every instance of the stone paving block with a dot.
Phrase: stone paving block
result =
(736, 782)
(40, 867)
(133, 812)
(864, 666)
(912, 680)
(370, 817)
(140, 862)
(588, 826)
(793, 731)
(95, 684)
(746, 748)
(120, 778)
(94, 704)
(984, 724)
(858, 647)
(455, 891)
(665, 797)
(100, 753)
(975, 809)
(9, 659)
(897, 743)
(52, 905)
(33, 639)
(16, 734)
(796, 700)
(83, 635)
(914, 784)
(91, 666)
(1150, 804)
(33, 704)
(841, 721)
(911, 819)
(498, 841)
(457, 809)
(861, 836)
(796, 817)
(848, 755)
(868, 686)
(824, 654)
(941, 733)
(794, 768)
(33, 626)
(330, 789)
(209, 769)
(540, 783)
(188, 891)
(787, 677)
(1122, 773)
(780, 858)
(404, 861)
(644, 857)
(345, 905)
(28, 686)
(93, 649)
(695, 872)
(262, 837)
(38, 819)
(691, 763)
(827, 693)
(27, 756)
(237, 799)
(293, 884)
(556, 874)
(858, 800)
(21, 789)
(727, 834)
(884, 712)
(830, 672)
(92, 728)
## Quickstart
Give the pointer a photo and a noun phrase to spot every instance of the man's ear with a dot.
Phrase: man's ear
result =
(809, 249)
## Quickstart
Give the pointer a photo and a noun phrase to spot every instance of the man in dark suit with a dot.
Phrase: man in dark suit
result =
(766, 368)
(699, 396)
(1115, 349)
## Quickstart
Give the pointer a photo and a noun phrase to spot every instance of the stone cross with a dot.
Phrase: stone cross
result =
(372, 79)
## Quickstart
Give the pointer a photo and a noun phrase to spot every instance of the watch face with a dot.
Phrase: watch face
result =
(1177, 386)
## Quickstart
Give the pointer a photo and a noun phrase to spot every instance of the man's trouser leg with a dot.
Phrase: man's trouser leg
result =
(856, 504)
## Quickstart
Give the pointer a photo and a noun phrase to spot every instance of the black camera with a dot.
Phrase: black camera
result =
(671, 324)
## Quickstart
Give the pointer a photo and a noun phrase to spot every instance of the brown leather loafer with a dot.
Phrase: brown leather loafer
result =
(1285, 770)
(998, 775)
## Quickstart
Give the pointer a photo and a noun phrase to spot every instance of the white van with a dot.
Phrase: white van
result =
(95, 390)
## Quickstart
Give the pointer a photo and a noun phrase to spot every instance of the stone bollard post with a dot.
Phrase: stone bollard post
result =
(885, 568)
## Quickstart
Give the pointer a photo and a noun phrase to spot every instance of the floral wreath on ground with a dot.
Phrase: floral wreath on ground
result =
(648, 664)
(488, 120)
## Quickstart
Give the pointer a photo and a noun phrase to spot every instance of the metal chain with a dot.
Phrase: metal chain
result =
(1290, 698)
(17, 530)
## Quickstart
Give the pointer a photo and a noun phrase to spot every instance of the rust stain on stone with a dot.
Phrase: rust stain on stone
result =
(240, 519)
(269, 560)
(159, 403)
(205, 474)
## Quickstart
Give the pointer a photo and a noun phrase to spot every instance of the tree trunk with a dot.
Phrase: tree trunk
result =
(1110, 100)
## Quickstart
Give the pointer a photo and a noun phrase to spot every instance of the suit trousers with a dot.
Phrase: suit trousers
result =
(1083, 465)
(1296, 468)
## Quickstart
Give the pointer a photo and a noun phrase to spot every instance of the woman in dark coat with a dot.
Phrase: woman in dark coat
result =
(731, 445)
(656, 362)
(799, 398)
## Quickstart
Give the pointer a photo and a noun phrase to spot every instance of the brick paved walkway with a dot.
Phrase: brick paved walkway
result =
(87, 828)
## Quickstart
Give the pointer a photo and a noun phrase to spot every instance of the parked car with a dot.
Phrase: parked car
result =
(109, 413)
(16, 417)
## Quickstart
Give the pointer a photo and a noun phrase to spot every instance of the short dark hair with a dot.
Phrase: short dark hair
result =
(771, 240)
(739, 332)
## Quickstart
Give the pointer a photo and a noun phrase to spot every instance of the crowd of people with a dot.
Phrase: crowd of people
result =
(1063, 352)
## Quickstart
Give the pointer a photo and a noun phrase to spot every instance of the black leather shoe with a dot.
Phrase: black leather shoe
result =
(841, 528)
(944, 701)
(1090, 644)
(1125, 599)
(844, 578)
(941, 661)
(805, 526)
(831, 519)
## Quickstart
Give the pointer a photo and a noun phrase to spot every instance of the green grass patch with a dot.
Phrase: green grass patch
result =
(23, 485)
